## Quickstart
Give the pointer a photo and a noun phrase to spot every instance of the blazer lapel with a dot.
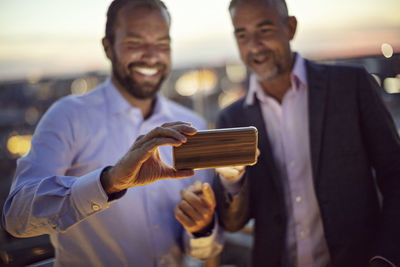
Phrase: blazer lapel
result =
(317, 88)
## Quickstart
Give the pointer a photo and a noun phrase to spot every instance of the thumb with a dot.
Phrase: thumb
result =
(228, 172)
(197, 187)
(208, 194)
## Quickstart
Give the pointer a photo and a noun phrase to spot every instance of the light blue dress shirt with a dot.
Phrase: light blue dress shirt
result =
(57, 189)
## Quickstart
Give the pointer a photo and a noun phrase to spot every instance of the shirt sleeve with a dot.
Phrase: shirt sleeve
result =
(206, 247)
(203, 248)
(382, 144)
(42, 199)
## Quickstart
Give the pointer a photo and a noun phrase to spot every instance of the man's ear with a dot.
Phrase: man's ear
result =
(292, 26)
(107, 48)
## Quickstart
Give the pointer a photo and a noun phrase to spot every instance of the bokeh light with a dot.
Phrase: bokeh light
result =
(236, 72)
(392, 85)
(196, 81)
(387, 50)
(230, 96)
(79, 87)
(19, 145)
(31, 115)
(377, 79)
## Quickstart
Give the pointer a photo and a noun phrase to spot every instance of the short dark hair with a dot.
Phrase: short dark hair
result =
(116, 5)
(280, 6)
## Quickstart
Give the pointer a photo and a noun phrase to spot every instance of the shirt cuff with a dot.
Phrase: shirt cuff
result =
(114, 196)
(88, 194)
(232, 187)
(380, 258)
(212, 233)
(207, 246)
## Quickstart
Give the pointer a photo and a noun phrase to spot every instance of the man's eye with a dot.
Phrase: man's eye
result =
(163, 45)
(240, 36)
(265, 30)
(133, 44)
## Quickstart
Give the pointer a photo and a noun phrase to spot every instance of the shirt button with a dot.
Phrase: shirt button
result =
(302, 234)
(292, 164)
(95, 207)
(156, 227)
(162, 261)
(298, 199)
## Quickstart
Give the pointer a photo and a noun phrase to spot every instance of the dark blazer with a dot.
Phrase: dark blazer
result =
(352, 139)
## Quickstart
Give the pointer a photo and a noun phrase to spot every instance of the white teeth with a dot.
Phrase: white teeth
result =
(260, 59)
(146, 71)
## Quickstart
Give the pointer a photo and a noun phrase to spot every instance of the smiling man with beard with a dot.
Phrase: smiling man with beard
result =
(325, 140)
(102, 200)
(136, 67)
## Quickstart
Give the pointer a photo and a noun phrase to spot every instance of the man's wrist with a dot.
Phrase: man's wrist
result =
(106, 182)
(206, 231)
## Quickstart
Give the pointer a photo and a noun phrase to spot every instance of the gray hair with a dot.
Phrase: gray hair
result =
(279, 5)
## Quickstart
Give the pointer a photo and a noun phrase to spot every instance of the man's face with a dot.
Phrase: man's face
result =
(263, 39)
(140, 54)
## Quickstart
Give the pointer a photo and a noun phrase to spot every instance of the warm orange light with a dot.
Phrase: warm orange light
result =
(194, 81)
(232, 95)
(236, 72)
(19, 145)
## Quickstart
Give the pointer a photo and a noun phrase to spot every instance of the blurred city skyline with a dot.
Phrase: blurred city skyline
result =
(47, 37)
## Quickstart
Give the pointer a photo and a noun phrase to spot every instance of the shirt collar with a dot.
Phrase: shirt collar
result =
(115, 101)
(298, 77)
(118, 104)
(299, 74)
(161, 108)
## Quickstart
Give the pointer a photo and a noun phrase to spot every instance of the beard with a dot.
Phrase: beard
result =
(265, 71)
(139, 90)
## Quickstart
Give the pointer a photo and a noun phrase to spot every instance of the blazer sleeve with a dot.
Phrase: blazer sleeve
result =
(383, 147)
(233, 211)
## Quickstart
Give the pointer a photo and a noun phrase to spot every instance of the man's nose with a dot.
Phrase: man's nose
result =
(150, 54)
(254, 44)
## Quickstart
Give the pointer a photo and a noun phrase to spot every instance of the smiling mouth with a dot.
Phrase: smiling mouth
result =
(260, 58)
(146, 71)
(258, 61)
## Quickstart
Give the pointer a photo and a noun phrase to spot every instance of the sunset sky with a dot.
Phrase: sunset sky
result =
(46, 37)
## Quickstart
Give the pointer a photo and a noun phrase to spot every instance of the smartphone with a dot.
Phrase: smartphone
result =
(217, 148)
